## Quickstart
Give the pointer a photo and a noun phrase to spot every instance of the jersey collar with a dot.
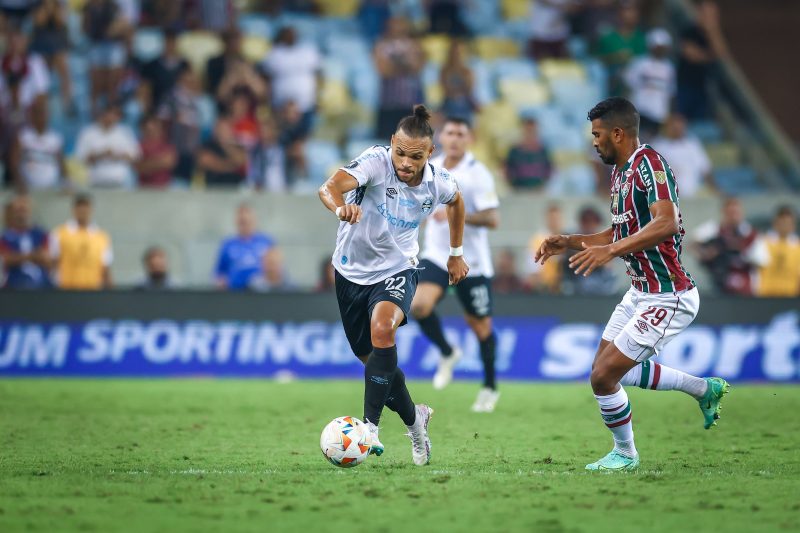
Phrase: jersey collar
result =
(633, 157)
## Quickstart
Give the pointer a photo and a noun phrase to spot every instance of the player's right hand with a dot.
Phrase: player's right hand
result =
(552, 245)
(350, 213)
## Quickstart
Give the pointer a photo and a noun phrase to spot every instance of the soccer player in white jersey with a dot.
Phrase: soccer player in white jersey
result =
(647, 233)
(475, 293)
(380, 199)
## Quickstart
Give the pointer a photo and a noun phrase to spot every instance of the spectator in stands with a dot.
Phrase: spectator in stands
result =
(651, 81)
(292, 138)
(24, 249)
(702, 45)
(550, 29)
(266, 162)
(506, 279)
(731, 250)
(546, 278)
(214, 15)
(780, 276)
(293, 68)
(105, 25)
(156, 270)
(617, 46)
(457, 81)
(399, 59)
(109, 149)
(528, 162)
(221, 158)
(273, 276)
(81, 251)
(327, 278)
(686, 156)
(161, 74)
(446, 16)
(41, 151)
(240, 257)
(24, 74)
(159, 156)
(372, 18)
(49, 39)
(242, 117)
(181, 113)
(14, 12)
(241, 77)
(602, 281)
(219, 66)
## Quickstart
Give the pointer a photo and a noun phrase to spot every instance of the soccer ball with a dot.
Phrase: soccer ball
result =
(345, 442)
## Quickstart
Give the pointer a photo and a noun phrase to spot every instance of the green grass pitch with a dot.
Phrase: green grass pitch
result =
(231, 455)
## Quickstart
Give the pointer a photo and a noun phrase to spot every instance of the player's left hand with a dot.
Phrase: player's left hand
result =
(457, 269)
(590, 258)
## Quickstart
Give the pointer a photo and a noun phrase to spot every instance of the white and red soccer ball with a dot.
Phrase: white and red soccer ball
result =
(345, 442)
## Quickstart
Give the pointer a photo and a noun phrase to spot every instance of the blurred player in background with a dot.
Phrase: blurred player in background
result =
(475, 293)
(647, 233)
(380, 199)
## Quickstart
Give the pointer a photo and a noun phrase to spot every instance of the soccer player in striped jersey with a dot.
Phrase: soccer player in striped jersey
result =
(647, 233)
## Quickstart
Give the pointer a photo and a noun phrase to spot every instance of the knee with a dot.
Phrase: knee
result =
(382, 333)
(602, 381)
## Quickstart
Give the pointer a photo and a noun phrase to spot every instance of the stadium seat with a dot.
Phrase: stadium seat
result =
(256, 24)
(434, 94)
(322, 159)
(706, 130)
(483, 89)
(491, 48)
(436, 48)
(482, 17)
(737, 180)
(515, 9)
(255, 48)
(567, 158)
(334, 97)
(198, 47)
(576, 180)
(333, 68)
(77, 172)
(578, 47)
(524, 94)
(562, 69)
(574, 98)
(724, 154)
(147, 43)
(338, 8)
(365, 86)
(514, 68)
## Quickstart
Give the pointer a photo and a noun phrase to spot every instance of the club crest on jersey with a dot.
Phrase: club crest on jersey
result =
(427, 205)
(391, 192)
(660, 176)
(625, 189)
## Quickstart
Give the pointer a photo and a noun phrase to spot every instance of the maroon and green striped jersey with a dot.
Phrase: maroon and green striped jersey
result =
(645, 179)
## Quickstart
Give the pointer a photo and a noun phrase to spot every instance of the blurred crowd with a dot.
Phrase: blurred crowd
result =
(242, 118)
(77, 255)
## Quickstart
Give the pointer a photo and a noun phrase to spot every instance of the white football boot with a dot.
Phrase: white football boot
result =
(418, 433)
(444, 372)
(375, 446)
(486, 401)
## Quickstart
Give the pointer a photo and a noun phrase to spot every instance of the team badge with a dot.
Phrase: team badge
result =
(427, 205)
(391, 192)
(661, 176)
(625, 190)
(353, 164)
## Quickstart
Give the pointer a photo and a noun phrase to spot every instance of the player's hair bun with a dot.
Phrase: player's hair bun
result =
(417, 124)
(421, 112)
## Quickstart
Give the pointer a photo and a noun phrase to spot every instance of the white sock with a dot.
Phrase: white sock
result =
(650, 375)
(616, 412)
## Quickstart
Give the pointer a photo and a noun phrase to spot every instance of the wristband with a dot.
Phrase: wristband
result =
(456, 251)
(339, 211)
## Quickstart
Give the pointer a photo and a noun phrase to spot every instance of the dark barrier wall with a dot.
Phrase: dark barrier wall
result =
(230, 334)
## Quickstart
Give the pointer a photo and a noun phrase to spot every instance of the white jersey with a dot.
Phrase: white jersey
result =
(477, 188)
(386, 240)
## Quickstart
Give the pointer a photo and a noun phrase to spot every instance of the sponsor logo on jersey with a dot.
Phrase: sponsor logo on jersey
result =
(661, 176)
(407, 203)
(623, 218)
(397, 295)
(344, 259)
(353, 164)
(395, 221)
(427, 205)
(645, 173)
(391, 192)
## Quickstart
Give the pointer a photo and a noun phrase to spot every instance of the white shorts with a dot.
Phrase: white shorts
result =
(642, 323)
